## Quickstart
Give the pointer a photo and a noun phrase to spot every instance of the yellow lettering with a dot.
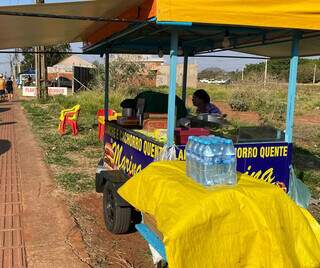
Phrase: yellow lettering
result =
(244, 152)
(272, 151)
(152, 150)
(248, 169)
(257, 174)
(138, 169)
(267, 175)
(180, 156)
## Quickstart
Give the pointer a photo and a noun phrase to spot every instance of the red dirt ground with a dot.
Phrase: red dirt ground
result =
(128, 250)
(52, 237)
(246, 117)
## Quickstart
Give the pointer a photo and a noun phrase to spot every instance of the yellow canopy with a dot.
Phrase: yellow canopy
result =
(252, 224)
(22, 31)
(294, 14)
(262, 16)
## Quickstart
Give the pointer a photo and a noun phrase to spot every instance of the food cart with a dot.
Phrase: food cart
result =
(188, 29)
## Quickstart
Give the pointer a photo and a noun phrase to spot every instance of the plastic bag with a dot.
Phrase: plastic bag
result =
(298, 191)
(167, 153)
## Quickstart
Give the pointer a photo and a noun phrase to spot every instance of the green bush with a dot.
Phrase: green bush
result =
(240, 101)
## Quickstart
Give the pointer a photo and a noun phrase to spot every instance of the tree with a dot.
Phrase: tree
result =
(279, 69)
(125, 72)
(52, 58)
(212, 73)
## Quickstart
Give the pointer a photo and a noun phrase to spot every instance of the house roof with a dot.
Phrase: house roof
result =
(74, 60)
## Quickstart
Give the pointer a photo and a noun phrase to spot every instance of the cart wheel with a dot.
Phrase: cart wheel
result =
(117, 219)
(161, 264)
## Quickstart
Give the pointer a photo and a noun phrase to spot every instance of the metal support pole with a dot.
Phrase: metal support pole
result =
(184, 79)
(172, 88)
(292, 87)
(106, 92)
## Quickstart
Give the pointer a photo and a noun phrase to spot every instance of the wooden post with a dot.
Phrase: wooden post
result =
(38, 74)
(41, 68)
(44, 73)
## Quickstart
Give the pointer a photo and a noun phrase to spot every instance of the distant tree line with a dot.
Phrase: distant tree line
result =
(278, 70)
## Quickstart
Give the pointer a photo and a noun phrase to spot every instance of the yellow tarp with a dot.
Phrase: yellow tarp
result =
(253, 224)
(298, 14)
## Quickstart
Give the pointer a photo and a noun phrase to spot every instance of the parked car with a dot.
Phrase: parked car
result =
(215, 81)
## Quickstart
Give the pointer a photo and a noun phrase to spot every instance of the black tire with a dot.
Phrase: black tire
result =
(117, 219)
(161, 264)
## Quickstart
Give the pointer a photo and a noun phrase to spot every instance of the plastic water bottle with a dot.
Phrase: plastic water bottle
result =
(208, 162)
(189, 153)
(200, 164)
(194, 158)
(214, 173)
(230, 157)
(211, 160)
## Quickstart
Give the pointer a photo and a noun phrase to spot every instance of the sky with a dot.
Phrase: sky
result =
(223, 63)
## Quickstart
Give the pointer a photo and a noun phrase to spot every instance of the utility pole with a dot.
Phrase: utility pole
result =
(41, 68)
(314, 74)
(242, 74)
(265, 73)
(16, 62)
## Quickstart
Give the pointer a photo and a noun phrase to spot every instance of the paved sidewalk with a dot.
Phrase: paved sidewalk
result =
(36, 229)
(12, 248)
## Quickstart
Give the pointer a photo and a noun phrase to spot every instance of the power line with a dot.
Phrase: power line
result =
(67, 17)
(231, 57)
(35, 52)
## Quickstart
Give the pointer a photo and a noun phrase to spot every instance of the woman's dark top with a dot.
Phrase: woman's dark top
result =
(9, 86)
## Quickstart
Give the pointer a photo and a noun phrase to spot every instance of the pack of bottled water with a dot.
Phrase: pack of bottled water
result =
(211, 160)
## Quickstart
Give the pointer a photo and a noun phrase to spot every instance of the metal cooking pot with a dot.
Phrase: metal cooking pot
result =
(213, 118)
(127, 112)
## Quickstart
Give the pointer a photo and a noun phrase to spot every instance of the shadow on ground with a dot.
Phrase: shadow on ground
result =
(7, 123)
(304, 159)
(5, 145)
(4, 109)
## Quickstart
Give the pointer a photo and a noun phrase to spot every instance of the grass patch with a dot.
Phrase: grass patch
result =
(93, 154)
(58, 159)
(269, 102)
(44, 117)
(76, 182)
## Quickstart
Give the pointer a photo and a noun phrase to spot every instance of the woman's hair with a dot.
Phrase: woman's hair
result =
(202, 94)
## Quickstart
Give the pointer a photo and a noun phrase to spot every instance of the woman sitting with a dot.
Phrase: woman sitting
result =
(201, 100)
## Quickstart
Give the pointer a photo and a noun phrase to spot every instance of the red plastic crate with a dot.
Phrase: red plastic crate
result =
(182, 134)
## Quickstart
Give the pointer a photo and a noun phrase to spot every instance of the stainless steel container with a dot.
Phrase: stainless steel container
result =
(127, 112)
(213, 118)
